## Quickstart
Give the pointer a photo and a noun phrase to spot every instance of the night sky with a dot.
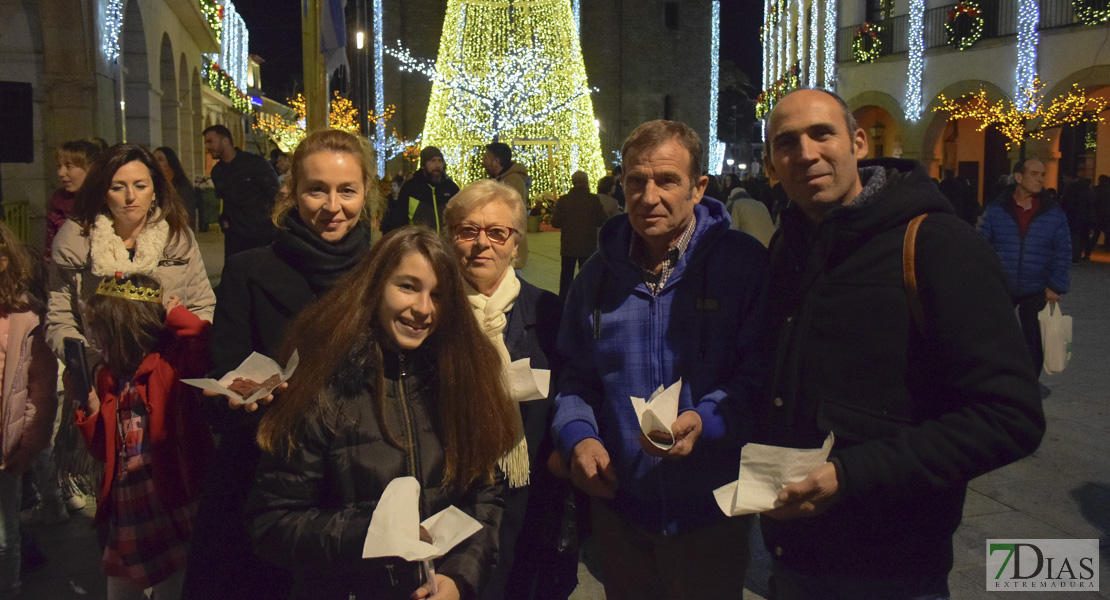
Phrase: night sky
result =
(275, 27)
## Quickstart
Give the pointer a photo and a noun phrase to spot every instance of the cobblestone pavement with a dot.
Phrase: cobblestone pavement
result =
(1061, 491)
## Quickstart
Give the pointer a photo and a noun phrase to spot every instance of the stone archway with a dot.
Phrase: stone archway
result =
(981, 156)
(884, 133)
(879, 115)
(185, 119)
(137, 89)
(168, 81)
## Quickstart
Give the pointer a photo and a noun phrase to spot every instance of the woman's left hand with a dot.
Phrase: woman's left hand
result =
(172, 302)
(446, 590)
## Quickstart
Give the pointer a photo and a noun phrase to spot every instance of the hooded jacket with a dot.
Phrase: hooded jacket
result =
(916, 413)
(180, 443)
(425, 201)
(309, 509)
(618, 340)
(1037, 260)
(29, 399)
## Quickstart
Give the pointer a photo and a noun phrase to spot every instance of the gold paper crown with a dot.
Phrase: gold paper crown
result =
(125, 289)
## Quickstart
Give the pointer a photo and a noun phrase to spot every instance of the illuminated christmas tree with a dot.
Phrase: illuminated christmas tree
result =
(511, 70)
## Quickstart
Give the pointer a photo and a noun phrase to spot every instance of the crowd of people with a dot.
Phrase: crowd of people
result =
(784, 314)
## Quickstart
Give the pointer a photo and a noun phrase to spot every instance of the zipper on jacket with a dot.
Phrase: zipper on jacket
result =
(411, 451)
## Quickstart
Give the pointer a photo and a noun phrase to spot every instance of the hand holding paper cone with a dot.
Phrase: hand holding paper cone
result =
(395, 526)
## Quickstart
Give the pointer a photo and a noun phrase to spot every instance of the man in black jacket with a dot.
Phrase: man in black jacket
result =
(917, 408)
(424, 196)
(248, 186)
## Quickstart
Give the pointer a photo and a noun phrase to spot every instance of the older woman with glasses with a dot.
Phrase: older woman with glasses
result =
(485, 224)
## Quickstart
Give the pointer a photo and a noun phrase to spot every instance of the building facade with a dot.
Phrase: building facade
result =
(120, 70)
(915, 64)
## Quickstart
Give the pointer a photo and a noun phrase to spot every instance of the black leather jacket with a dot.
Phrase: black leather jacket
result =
(309, 511)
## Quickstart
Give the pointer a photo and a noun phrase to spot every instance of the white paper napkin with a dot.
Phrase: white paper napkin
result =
(659, 412)
(764, 471)
(526, 383)
(395, 526)
(256, 368)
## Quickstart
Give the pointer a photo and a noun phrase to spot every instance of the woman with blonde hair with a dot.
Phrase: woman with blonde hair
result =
(322, 233)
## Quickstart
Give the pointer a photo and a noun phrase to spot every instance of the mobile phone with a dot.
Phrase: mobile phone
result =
(77, 363)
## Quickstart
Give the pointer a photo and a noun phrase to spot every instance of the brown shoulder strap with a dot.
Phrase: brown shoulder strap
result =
(909, 276)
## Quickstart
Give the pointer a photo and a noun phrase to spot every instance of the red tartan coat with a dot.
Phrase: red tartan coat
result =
(180, 442)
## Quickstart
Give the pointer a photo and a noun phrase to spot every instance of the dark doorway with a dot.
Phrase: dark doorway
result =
(996, 163)
(1077, 149)
(970, 170)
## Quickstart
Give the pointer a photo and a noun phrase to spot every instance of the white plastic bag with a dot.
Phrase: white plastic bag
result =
(1055, 338)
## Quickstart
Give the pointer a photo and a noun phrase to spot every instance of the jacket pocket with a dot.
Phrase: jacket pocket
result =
(855, 422)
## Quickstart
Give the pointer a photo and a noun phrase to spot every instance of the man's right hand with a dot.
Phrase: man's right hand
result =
(591, 470)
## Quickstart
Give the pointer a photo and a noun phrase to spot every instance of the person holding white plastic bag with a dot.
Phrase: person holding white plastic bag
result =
(1030, 233)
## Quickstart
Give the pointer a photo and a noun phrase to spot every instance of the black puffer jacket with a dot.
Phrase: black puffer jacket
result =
(916, 414)
(309, 511)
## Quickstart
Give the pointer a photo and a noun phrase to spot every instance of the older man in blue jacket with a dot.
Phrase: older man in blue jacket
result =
(1030, 233)
(672, 294)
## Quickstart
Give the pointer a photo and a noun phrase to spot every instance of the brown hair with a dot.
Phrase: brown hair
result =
(473, 405)
(125, 331)
(653, 134)
(92, 197)
(81, 153)
(483, 192)
(16, 280)
(330, 140)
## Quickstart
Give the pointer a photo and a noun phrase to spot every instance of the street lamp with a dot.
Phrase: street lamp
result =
(360, 40)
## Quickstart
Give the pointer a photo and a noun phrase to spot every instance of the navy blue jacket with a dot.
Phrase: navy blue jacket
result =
(618, 340)
(1037, 260)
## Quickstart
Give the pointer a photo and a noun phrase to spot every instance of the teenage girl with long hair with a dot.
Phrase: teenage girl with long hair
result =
(396, 379)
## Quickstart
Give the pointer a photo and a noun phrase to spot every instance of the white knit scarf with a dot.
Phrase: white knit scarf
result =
(109, 255)
(491, 314)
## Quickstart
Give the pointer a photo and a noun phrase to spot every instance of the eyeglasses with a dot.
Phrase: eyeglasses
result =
(498, 234)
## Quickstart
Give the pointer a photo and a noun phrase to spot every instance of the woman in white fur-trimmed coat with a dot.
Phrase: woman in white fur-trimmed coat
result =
(126, 219)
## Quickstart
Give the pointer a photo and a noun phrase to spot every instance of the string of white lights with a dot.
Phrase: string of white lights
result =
(830, 46)
(1027, 38)
(716, 148)
(916, 34)
(113, 23)
(814, 18)
(379, 87)
(765, 38)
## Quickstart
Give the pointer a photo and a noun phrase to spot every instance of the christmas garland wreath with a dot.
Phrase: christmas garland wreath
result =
(867, 46)
(767, 99)
(964, 25)
(1091, 12)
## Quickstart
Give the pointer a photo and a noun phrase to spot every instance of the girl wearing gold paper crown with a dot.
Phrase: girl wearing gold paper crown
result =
(147, 429)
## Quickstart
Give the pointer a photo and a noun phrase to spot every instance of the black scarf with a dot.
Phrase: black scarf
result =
(320, 262)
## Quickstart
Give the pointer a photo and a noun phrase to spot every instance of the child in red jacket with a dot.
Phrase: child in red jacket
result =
(147, 428)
